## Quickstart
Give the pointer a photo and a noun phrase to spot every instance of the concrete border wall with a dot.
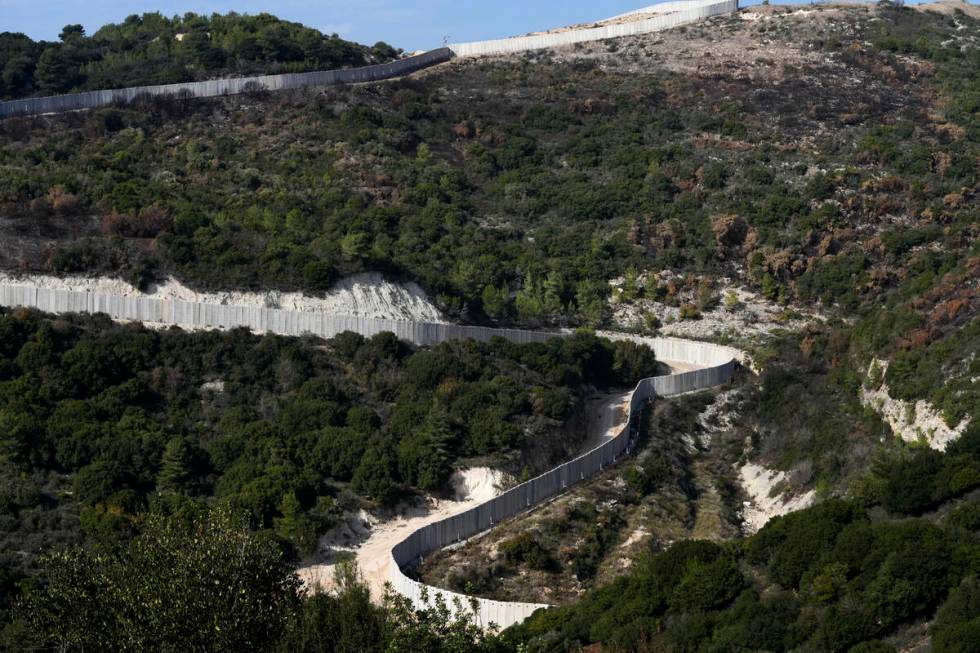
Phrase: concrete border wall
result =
(679, 14)
(717, 363)
(662, 8)
(670, 14)
(216, 87)
(720, 363)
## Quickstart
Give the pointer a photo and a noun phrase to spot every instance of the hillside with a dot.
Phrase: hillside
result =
(821, 158)
(152, 49)
(466, 179)
(799, 181)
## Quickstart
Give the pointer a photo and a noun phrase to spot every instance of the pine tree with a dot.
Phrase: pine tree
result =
(437, 438)
(176, 468)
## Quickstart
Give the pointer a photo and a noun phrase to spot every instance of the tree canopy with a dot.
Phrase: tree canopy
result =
(152, 49)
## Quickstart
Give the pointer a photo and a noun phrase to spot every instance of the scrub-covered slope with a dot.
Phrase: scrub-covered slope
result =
(802, 180)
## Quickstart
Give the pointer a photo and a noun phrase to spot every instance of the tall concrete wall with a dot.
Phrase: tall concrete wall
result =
(720, 367)
(679, 14)
(663, 8)
(717, 363)
(670, 14)
(216, 87)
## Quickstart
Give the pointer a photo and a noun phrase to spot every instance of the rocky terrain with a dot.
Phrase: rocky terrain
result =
(916, 422)
(360, 295)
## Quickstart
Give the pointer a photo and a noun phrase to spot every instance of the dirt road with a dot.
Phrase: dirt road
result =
(473, 487)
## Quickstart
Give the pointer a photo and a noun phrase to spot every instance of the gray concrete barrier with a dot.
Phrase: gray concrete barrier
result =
(671, 14)
(720, 363)
(717, 365)
(217, 87)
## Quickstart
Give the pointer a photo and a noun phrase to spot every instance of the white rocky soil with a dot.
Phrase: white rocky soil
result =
(373, 554)
(769, 491)
(745, 314)
(766, 497)
(361, 295)
(913, 422)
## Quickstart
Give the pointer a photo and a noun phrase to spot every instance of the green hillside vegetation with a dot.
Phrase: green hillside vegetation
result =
(97, 420)
(200, 580)
(512, 190)
(897, 559)
(518, 194)
(831, 578)
(152, 49)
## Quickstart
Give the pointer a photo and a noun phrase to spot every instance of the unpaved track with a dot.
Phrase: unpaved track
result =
(608, 414)
(374, 555)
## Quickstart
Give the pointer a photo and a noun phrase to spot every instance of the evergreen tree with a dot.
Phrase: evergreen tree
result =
(295, 527)
(434, 465)
(176, 469)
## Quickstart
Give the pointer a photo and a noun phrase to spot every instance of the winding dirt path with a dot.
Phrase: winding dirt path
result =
(608, 413)
(373, 556)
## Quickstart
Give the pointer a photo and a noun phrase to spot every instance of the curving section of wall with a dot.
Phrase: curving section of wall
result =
(717, 366)
(216, 87)
(720, 365)
(677, 13)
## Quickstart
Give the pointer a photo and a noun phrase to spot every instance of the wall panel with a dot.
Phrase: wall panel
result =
(217, 87)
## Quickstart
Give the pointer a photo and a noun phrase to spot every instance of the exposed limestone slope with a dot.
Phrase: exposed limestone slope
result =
(360, 295)
(912, 421)
(765, 498)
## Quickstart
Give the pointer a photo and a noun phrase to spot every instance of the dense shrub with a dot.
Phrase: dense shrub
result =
(526, 549)
(278, 427)
(856, 581)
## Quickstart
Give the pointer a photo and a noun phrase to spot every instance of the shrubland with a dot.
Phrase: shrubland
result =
(887, 557)
(198, 579)
(514, 189)
(839, 576)
(829, 578)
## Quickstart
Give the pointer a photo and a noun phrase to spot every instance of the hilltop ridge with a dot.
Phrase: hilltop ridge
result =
(153, 49)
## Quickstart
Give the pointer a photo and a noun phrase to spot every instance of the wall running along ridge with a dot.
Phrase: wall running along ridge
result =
(216, 87)
(680, 13)
(672, 14)
(718, 367)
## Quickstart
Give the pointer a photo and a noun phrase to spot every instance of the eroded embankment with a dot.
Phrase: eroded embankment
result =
(366, 294)
(916, 422)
